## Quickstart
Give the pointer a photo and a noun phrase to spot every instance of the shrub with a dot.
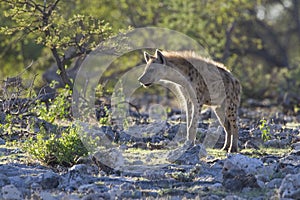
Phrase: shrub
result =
(265, 130)
(53, 149)
(59, 107)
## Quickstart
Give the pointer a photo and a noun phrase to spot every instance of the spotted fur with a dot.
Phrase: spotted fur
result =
(199, 81)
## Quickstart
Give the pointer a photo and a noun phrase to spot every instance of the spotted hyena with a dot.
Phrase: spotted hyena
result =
(199, 81)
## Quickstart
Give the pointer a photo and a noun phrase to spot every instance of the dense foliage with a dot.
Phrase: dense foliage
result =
(256, 39)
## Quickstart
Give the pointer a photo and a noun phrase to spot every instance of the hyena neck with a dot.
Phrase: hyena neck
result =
(177, 68)
(173, 73)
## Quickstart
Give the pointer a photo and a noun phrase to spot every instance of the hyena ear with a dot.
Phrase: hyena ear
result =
(160, 57)
(147, 56)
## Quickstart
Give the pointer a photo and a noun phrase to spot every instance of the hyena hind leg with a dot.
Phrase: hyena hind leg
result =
(228, 119)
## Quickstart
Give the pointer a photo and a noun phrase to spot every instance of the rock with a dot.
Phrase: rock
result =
(274, 183)
(130, 194)
(275, 143)
(290, 164)
(10, 192)
(17, 181)
(76, 176)
(2, 142)
(47, 196)
(89, 188)
(154, 174)
(233, 197)
(79, 170)
(49, 180)
(290, 186)
(70, 197)
(238, 174)
(296, 149)
(127, 186)
(109, 160)
(216, 187)
(187, 154)
(2, 117)
(97, 196)
(36, 187)
(137, 162)
(147, 130)
(249, 165)
(4, 180)
(296, 146)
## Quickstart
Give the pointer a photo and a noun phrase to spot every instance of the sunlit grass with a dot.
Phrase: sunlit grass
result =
(292, 125)
(216, 153)
(263, 151)
(145, 156)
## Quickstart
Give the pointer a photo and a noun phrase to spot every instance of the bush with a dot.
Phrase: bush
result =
(53, 149)
(59, 107)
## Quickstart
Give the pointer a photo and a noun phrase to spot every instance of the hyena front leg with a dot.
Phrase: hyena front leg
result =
(193, 116)
(186, 102)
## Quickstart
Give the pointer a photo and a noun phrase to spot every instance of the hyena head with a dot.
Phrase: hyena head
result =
(154, 70)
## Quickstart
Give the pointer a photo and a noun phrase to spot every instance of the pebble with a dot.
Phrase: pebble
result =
(85, 181)
(2, 141)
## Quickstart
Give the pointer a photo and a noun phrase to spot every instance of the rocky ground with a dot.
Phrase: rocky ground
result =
(139, 168)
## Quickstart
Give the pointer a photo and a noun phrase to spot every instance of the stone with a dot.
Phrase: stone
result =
(296, 146)
(127, 186)
(47, 196)
(275, 143)
(237, 175)
(2, 117)
(187, 154)
(97, 196)
(296, 149)
(76, 176)
(129, 194)
(80, 169)
(69, 197)
(249, 165)
(233, 197)
(49, 180)
(109, 160)
(146, 130)
(290, 186)
(154, 174)
(274, 183)
(290, 164)
(17, 181)
(212, 136)
(88, 188)
(4, 180)
(36, 187)
(2, 141)
(10, 192)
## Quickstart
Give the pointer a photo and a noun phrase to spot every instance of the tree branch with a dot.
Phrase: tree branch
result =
(52, 8)
(296, 15)
(270, 35)
(229, 31)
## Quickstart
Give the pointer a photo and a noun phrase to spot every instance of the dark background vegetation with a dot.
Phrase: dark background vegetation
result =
(258, 40)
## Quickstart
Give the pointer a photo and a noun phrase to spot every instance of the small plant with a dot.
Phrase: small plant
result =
(59, 108)
(53, 149)
(265, 130)
(105, 120)
(8, 125)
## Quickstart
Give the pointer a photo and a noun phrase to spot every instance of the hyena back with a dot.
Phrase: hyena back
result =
(200, 81)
